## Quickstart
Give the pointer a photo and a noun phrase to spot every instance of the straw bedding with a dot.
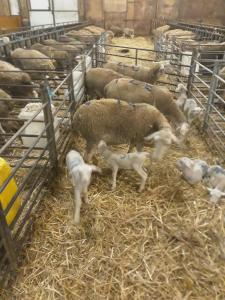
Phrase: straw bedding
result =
(137, 42)
(166, 243)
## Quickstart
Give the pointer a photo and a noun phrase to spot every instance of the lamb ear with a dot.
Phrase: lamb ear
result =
(175, 139)
(151, 136)
(209, 189)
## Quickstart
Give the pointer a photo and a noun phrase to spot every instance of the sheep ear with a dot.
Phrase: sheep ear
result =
(209, 189)
(175, 139)
(151, 136)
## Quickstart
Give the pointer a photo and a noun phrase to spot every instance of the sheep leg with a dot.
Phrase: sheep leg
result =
(143, 176)
(139, 147)
(89, 152)
(77, 203)
(85, 192)
(114, 175)
(131, 148)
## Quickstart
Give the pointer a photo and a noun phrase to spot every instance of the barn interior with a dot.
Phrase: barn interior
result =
(165, 242)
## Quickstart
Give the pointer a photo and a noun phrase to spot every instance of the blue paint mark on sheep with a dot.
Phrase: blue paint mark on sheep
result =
(148, 87)
(88, 103)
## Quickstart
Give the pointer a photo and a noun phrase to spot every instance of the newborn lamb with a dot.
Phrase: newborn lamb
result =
(127, 161)
(192, 171)
(80, 174)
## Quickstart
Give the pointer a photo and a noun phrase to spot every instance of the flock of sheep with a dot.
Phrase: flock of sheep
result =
(126, 107)
(34, 63)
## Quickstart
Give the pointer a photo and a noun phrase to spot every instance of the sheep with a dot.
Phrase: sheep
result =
(117, 122)
(215, 177)
(127, 161)
(146, 74)
(188, 105)
(192, 111)
(193, 171)
(128, 32)
(61, 57)
(72, 49)
(160, 31)
(82, 35)
(80, 174)
(11, 76)
(29, 59)
(215, 195)
(5, 107)
(116, 30)
(63, 39)
(96, 80)
(8, 103)
(138, 92)
(182, 95)
(109, 37)
(94, 29)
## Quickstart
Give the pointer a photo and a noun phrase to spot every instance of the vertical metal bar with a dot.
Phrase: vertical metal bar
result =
(136, 57)
(71, 95)
(95, 56)
(48, 118)
(192, 71)
(84, 71)
(212, 90)
(9, 244)
(53, 12)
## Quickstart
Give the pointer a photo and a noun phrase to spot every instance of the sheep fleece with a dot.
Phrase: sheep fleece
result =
(97, 79)
(146, 74)
(138, 92)
(117, 122)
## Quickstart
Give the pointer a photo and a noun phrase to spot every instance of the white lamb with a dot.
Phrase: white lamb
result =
(80, 174)
(192, 111)
(215, 179)
(188, 105)
(128, 32)
(193, 171)
(215, 195)
(126, 161)
(182, 95)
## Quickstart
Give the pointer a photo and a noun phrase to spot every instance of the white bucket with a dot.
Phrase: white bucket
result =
(78, 85)
(35, 128)
(88, 63)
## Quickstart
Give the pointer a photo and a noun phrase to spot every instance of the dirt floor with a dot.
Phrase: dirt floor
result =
(166, 243)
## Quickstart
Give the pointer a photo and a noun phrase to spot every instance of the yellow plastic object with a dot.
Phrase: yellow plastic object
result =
(8, 192)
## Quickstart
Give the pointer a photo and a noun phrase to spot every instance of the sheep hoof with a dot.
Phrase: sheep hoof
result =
(113, 188)
(86, 200)
(140, 190)
(76, 221)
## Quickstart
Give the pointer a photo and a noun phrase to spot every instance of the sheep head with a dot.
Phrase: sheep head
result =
(181, 88)
(102, 146)
(162, 139)
(195, 114)
(215, 195)
(182, 130)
